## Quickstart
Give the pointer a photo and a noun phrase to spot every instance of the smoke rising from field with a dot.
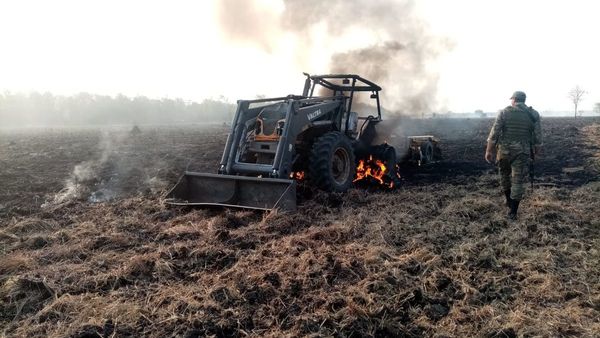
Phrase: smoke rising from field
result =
(84, 173)
(397, 54)
(119, 169)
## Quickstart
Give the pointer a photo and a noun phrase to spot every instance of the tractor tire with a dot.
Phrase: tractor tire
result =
(426, 152)
(332, 163)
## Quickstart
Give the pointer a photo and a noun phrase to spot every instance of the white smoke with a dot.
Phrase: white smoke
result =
(78, 184)
(383, 40)
(124, 166)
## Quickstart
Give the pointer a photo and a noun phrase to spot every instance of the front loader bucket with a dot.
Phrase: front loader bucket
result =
(233, 191)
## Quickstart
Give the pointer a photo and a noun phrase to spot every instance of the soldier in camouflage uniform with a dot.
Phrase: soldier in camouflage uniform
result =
(516, 134)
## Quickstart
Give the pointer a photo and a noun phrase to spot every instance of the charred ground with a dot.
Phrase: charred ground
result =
(432, 258)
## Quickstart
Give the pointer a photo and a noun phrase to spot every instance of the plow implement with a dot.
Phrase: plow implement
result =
(203, 189)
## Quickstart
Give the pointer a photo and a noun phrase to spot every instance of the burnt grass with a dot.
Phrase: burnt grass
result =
(435, 257)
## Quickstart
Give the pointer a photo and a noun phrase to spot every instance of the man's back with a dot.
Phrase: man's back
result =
(518, 125)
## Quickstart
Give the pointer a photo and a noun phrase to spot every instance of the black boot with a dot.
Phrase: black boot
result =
(508, 200)
(514, 207)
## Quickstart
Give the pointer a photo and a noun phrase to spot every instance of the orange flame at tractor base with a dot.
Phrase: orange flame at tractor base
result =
(370, 171)
(375, 169)
(297, 175)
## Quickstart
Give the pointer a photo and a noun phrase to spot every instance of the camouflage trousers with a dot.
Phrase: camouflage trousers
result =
(514, 169)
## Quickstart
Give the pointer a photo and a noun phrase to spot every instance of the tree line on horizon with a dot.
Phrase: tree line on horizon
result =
(46, 109)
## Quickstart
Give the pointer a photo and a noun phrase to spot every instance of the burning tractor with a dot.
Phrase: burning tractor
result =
(276, 141)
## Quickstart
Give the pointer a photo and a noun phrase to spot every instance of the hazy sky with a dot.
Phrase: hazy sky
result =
(178, 49)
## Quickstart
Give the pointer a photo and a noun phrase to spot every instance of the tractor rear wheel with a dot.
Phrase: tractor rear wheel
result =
(332, 163)
(426, 152)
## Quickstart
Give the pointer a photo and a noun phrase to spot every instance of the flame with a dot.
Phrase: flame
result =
(297, 175)
(372, 168)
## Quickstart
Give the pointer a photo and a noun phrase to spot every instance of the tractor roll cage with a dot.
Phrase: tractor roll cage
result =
(363, 84)
(350, 83)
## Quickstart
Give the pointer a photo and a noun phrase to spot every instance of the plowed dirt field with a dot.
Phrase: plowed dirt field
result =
(88, 248)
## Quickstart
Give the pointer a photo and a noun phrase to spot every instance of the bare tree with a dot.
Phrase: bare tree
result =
(576, 95)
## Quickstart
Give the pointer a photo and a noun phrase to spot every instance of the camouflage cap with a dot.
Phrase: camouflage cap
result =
(519, 96)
